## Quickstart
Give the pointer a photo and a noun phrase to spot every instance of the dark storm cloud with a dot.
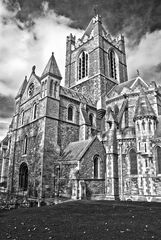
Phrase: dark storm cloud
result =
(6, 106)
(158, 68)
(134, 17)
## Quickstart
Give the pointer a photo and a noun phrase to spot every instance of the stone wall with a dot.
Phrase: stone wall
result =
(33, 157)
(87, 163)
(95, 188)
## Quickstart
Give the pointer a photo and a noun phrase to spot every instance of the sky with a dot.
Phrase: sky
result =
(31, 29)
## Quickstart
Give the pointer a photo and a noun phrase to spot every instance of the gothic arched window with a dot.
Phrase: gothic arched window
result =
(43, 89)
(133, 162)
(51, 89)
(23, 177)
(150, 123)
(83, 65)
(35, 111)
(96, 167)
(22, 117)
(55, 89)
(126, 117)
(70, 113)
(91, 119)
(25, 145)
(112, 65)
(158, 153)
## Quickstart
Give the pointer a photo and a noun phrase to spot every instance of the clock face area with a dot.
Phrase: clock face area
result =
(31, 90)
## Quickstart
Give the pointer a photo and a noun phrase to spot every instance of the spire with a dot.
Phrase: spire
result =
(52, 68)
(143, 107)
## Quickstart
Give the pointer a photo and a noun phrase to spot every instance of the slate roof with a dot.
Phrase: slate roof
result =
(52, 68)
(143, 107)
(118, 88)
(128, 84)
(76, 95)
(75, 150)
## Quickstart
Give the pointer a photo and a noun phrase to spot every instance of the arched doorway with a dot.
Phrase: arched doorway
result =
(23, 177)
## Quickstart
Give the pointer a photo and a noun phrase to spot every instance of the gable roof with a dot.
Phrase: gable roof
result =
(22, 88)
(52, 68)
(75, 150)
(131, 85)
(70, 93)
(143, 107)
(139, 82)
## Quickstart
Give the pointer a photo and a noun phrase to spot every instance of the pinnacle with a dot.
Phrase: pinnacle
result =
(52, 68)
(143, 107)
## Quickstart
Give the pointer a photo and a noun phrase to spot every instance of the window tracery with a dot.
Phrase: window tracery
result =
(112, 65)
(83, 65)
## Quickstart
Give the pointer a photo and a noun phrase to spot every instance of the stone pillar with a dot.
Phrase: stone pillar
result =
(120, 172)
(82, 189)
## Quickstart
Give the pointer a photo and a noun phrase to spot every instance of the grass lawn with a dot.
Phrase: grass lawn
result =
(92, 220)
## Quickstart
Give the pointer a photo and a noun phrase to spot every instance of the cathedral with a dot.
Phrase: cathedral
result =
(96, 137)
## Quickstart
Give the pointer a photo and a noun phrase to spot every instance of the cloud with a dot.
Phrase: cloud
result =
(6, 112)
(6, 106)
(23, 47)
(146, 57)
(31, 29)
(118, 15)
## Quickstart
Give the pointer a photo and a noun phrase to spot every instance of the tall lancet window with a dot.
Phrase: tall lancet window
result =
(83, 65)
(23, 176)
(96, 167)
(34, 111)
(112, 65)
(51, 87)
(158, 152)
(25, 145)
(70, 113)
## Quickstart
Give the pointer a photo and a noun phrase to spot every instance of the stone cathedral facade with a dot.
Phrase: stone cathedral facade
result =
(97, 137)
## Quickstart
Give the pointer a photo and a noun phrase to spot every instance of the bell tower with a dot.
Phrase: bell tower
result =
(95, 62)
